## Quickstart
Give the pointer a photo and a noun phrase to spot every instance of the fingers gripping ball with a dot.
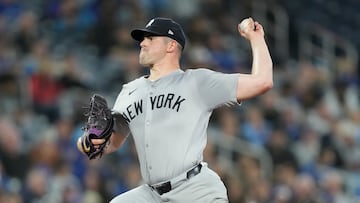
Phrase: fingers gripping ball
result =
(99, 125)
(246, 24)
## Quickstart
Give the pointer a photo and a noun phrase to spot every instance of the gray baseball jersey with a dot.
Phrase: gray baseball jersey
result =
(168, 118)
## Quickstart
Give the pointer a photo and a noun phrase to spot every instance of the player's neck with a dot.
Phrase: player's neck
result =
(157, 73)
(160, 70)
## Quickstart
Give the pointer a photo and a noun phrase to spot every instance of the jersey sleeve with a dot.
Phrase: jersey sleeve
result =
(122, 94)
(215, 88)
(119, 99)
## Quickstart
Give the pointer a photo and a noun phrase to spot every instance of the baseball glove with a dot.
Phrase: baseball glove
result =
(99, 125)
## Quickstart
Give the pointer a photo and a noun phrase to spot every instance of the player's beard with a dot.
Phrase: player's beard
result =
(149, 57)
(144, 58)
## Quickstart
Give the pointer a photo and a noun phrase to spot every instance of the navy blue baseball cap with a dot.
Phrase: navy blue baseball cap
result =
(161, 27)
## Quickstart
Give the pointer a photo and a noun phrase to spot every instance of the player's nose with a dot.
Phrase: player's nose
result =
(141, 45)
(144, 42)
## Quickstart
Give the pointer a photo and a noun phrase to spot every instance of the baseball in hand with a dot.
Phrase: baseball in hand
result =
(246, 24)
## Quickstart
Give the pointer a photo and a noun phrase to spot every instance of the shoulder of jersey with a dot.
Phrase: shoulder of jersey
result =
(198, 71)
(134, 82)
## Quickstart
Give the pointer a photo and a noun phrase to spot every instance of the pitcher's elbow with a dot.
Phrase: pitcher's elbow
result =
(268, 85)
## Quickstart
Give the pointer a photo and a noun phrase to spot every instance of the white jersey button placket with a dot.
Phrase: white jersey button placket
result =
(147, 130)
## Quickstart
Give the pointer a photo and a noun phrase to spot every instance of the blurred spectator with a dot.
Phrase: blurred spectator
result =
(156, 7)
(64, 140)
(200, 56)
(304, 190)
(284, 175)
(37, 186)
(228, 133)
(10, 9)
(280, 149)
(44, 87)
(27, 32)
(308, 85)
(222, 59)
(12, 156)
(327, 160)
(347, 142)
(10, 93)
(332, 189)
(212, 158)
(73, 75)
(342, 99)
(255, 129)
(10, 198)
(259, 192)
(270, 104)
(236, 190)
(133, 177)
(8, 56)
(93, 191)
(320, 119)
(71, 23)
(44, 151)
(198, 29)
(292, 117)
(249, 171)
(307, 148)
(101, 34)
(282, 194)
(64, 186)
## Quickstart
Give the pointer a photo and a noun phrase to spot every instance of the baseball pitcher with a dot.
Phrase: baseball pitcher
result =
(167, 113)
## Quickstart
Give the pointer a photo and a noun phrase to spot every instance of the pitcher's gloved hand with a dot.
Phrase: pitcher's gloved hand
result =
(99, 125)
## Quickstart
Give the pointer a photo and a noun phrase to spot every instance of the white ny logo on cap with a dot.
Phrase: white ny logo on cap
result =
(150, 22)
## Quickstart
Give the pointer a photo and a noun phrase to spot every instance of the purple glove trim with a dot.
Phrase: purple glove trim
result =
(95, 131)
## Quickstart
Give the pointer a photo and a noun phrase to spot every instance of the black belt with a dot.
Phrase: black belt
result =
(166, 187)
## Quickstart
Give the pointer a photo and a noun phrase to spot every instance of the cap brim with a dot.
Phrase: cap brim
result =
(138, 34)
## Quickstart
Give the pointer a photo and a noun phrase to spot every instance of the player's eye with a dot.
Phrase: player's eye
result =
(149, 36)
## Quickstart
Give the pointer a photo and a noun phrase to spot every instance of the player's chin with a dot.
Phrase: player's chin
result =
(141, 59)
(141, 62)
(144, 62)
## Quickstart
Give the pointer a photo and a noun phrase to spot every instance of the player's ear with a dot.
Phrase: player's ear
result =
(172, 45)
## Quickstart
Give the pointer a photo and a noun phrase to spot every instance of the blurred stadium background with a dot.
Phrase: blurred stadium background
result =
(298, 143)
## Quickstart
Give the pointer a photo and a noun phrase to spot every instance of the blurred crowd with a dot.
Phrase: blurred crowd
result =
(55, 54)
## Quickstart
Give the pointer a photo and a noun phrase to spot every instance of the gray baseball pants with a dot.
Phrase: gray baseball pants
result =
(205, 187)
